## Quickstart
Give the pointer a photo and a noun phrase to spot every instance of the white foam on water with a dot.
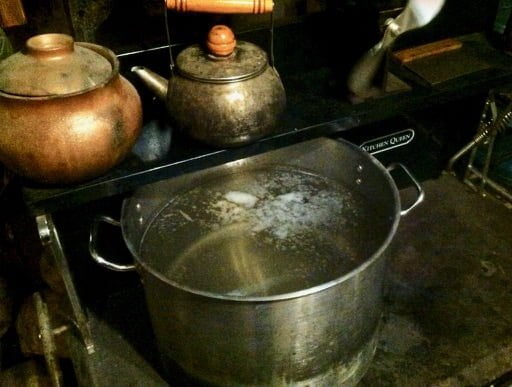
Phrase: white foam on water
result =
(283, 206)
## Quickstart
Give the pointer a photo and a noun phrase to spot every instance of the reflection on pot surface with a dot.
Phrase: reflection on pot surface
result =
(266, 271)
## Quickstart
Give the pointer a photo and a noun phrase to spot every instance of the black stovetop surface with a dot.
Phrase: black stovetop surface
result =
(313, 74)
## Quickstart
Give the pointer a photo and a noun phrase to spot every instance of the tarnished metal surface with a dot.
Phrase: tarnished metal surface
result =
(228, 114)
(66, 139)
(221, 114)
(51, 65)
(221, 101)
(247, 61)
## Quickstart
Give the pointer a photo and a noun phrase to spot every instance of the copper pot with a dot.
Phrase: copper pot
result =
(66, 114)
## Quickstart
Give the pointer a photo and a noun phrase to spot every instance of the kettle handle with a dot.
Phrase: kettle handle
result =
(221, 6)
(93, 251)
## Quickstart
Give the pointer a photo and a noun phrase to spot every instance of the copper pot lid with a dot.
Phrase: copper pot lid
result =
(53, 65)
(225, 61)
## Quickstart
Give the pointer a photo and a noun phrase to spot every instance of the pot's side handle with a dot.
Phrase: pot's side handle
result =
(416, 184)
(93, 237)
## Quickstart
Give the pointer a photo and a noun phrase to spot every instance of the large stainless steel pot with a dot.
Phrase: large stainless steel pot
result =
(254, 303)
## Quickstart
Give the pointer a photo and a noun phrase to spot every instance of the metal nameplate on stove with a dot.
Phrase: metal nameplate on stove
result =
(390, 141)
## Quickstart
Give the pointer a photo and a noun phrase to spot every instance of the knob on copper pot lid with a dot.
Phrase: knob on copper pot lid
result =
(223, 60)
(53, 64)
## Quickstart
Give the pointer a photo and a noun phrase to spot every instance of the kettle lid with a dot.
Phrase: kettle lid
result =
(225, 61)
(53, 65)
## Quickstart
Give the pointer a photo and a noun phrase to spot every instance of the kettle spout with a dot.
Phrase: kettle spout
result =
(156, 83)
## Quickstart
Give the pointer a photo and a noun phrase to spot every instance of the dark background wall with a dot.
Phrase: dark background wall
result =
(137, 24)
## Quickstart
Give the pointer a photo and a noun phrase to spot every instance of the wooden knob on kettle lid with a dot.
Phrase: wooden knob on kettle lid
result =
(221, 41)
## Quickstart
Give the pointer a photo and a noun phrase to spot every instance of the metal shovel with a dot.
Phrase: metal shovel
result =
(417, 13)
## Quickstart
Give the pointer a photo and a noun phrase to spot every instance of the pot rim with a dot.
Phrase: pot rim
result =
(378, 254)
(101, 50)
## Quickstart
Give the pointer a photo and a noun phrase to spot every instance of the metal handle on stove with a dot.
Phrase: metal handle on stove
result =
(371, 67)
(93, 251)
(419, 190)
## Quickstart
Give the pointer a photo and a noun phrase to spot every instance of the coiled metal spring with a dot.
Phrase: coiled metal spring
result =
(487, 126)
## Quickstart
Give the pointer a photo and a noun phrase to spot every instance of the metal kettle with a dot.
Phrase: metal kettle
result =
(226, 95)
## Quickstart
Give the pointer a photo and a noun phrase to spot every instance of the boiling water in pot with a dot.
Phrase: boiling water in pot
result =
(261, 233)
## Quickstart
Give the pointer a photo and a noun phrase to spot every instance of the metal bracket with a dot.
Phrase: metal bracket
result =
(50, 237)
(492, 122)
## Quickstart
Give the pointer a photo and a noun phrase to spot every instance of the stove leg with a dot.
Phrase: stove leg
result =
(50, 238)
